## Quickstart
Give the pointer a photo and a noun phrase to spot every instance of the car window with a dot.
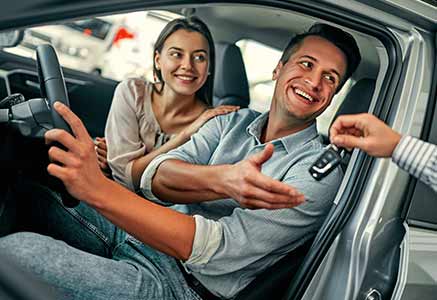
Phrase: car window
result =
(116, 47)
(133, 57)
(260, 60)
(423, 207)
(93, 27)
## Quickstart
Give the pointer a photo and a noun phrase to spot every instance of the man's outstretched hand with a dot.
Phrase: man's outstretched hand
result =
(252, 189)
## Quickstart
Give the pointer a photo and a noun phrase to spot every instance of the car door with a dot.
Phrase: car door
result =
(418, 278)
(370, 253)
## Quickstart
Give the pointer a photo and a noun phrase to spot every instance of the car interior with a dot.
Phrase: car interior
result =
(90, 97)
(231, 86)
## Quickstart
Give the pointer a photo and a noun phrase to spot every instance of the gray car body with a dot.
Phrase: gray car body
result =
(370, 237)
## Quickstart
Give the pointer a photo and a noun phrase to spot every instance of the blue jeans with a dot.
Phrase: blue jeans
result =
(84, 256)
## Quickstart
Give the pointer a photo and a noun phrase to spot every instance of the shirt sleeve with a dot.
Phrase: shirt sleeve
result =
(198, 150)
(122, 133)
(257, 238)
(418, 158)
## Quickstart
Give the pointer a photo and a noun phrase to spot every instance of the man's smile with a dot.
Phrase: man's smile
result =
(302, 95)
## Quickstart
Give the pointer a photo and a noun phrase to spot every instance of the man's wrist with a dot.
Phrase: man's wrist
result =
(99, 197)
(218, 182)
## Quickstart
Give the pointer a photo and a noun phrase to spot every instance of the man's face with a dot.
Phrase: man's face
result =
(307, 82)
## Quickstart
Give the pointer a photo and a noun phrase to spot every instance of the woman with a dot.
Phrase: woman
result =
(147, 119)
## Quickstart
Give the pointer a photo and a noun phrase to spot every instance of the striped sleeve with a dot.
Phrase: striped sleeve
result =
(418, 158)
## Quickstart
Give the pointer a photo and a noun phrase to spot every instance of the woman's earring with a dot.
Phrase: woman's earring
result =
(155, 78)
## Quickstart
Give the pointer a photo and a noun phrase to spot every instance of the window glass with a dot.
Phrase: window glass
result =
(117, 46)
(260, 60)
(94, 27)
(423, 209)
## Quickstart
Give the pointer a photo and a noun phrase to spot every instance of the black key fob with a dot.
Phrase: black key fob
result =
(327, 162)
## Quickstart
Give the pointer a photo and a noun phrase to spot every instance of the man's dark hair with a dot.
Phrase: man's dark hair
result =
(341, 39)
(191, 24)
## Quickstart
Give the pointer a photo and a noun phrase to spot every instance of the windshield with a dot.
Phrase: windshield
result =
(93, 27)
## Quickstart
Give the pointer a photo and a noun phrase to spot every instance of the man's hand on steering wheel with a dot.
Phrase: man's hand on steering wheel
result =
(77, 164)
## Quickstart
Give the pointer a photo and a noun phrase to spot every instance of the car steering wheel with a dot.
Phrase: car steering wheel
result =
(52, 86)
(51, 82)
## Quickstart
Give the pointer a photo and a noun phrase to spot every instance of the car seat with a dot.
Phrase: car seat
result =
(275, 280)
(356, 101)
(230, 80)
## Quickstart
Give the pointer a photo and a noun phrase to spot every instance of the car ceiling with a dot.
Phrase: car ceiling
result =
(273, 27)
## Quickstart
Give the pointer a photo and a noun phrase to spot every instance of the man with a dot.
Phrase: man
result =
(368, 133)
(244, 158)
(308, 75)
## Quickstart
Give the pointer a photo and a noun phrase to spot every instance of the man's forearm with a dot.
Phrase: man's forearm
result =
(144, 219)
(140, 164)
(181, 182)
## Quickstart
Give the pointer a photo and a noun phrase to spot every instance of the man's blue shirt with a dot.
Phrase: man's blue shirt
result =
(233, 244)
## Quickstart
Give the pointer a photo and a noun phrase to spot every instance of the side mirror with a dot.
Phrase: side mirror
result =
(11, 38)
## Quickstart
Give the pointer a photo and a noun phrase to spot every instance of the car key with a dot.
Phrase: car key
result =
(327, 162)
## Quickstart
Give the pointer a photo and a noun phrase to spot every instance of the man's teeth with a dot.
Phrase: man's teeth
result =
(303, 94)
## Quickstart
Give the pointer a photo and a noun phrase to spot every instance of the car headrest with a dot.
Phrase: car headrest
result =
(230, 83)
(358, 99)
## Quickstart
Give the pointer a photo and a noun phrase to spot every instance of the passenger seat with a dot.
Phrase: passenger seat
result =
(230, 83)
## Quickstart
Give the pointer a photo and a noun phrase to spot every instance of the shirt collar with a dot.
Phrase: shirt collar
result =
(290, 141)
(256, 126)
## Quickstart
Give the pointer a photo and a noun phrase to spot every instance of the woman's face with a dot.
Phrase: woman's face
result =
(184, 61)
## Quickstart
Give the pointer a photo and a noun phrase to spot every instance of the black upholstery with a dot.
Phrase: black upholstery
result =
(358, 99)
(274, 281)
(230, 83)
